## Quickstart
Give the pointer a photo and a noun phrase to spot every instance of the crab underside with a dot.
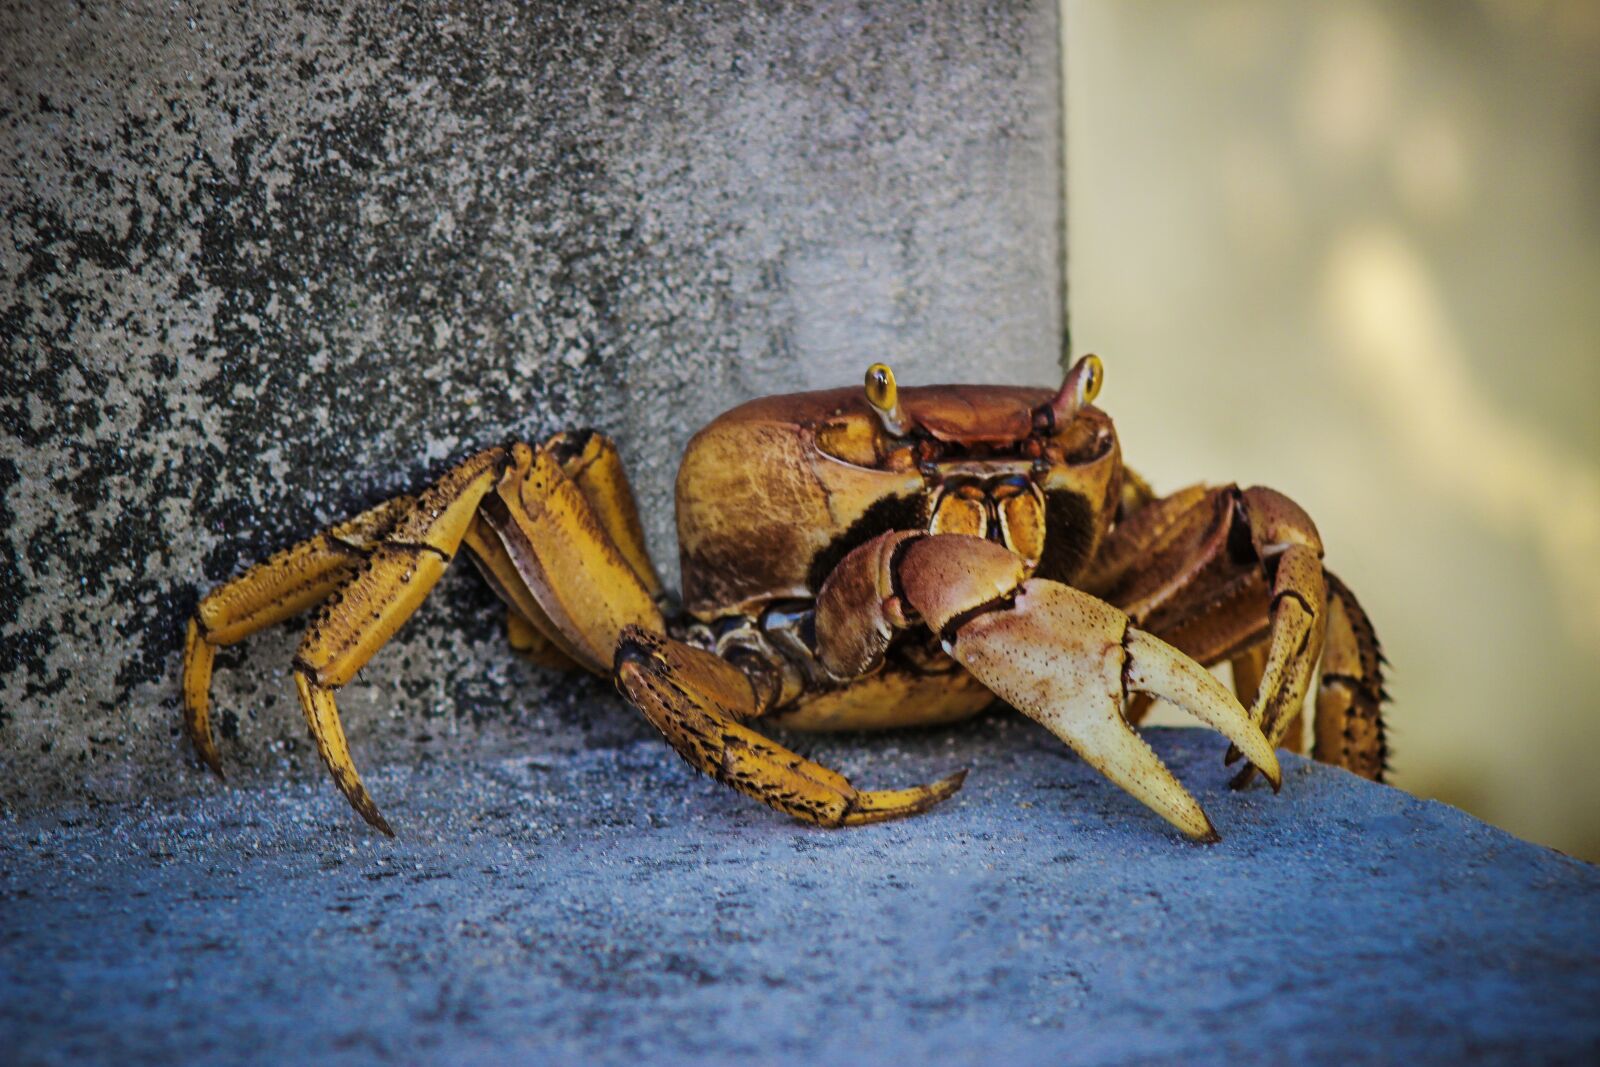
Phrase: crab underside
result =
(857, 560)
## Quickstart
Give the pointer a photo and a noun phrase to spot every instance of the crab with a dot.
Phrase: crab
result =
(858, 559)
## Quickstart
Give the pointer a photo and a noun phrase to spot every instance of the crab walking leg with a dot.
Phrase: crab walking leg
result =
(565, 558)
(1247, 668)
(1137, 709)
(698, 700)
(369, 606)
(276, 589)
(1298, 594)
(605, 516)
(591, 461)
(1120, 570)
(534, 645)
(528, 629)
(1296, 643)
(1225, 570)
(1349, 722)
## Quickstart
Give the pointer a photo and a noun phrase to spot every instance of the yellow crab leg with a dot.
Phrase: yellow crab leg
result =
(528, 629)
(534, 645)
(591, 461)
(579, 578)
(1297, 624)
(698, 700)
(1296, 642)
(1247, 669)
(564, 551)
(1348, 726)
(276, 589)
(370, 605)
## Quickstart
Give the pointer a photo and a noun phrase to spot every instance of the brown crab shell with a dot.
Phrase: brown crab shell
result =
(763, 512)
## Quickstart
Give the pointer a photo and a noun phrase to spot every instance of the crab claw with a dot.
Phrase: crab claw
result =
(1068, 660)
(1155, 667)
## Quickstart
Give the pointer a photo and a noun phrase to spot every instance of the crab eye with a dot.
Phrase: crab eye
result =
(881, 391)
(1094, 377)
(884, 397)
(1078, 391)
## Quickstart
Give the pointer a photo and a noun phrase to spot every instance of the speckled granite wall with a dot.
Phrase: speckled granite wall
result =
(262, 268)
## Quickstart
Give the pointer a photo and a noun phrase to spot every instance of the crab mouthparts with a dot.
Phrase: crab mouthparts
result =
(1006, 507)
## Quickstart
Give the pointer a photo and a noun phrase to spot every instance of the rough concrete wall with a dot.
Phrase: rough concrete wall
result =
(262, 268)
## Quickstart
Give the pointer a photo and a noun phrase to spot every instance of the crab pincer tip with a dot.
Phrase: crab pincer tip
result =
(1209, 835)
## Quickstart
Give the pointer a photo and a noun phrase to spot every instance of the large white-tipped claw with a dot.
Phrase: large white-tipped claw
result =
(1108, 744)
(1157, 668)
(1056, 655)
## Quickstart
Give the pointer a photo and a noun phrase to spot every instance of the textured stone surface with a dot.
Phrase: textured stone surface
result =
(612, 907)
(263, 265)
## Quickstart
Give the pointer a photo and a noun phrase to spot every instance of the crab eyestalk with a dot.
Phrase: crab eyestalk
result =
(1078, 391)
(884, 397)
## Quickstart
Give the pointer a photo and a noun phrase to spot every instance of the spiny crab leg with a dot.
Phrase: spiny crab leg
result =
(553, 529)
(1285, 534)
(1068, 660)
(700, 703)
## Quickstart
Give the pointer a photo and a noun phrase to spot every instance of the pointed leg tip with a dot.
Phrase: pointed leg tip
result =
(1243, 778)
(374, 818)
(945, 788)
(1210, 837)
(883, 805)
(206, 752)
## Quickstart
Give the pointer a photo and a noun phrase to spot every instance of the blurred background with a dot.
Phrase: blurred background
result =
(1352, 251)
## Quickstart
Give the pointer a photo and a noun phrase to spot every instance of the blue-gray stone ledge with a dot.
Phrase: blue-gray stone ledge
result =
(611, 906)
